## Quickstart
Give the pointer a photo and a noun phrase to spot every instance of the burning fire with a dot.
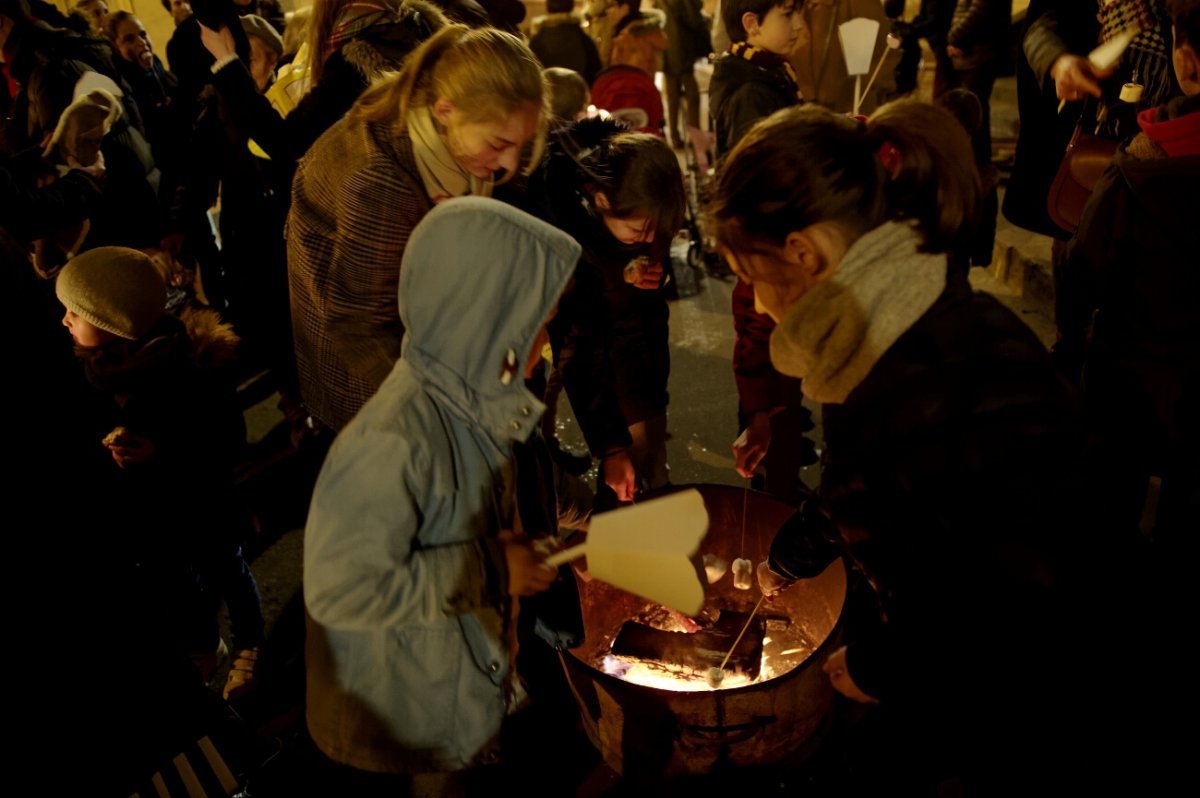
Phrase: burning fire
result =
(678, 679)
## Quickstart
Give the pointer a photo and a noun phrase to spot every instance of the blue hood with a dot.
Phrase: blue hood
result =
(477, 280)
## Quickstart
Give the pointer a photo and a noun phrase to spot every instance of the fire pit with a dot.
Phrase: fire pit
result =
(648, 715)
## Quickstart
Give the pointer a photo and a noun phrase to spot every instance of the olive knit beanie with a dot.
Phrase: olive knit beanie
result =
(114, 288)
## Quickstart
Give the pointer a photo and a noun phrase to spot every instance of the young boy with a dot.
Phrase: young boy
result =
(754, 79)
(173, 430)
(750, 82)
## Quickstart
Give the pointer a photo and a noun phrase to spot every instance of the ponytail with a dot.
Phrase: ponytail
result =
(934, 180)
(806, 165)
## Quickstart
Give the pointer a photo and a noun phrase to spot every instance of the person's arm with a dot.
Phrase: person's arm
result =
(758, 383)
(978, 23)
(378, 209)
(582, 353)
(1044, 44)
(32, 213)
(285, 139)
(363, 568)
(1092, 255)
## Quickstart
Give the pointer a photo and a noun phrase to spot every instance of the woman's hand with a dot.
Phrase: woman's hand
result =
(617, 472)
(770, 583)
(839, 676)
(751, 446)
(129, 448)
(1074, 76)
(218, 43)
(527, 574)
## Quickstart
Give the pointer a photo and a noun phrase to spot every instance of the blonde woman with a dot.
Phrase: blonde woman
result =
(440, 128)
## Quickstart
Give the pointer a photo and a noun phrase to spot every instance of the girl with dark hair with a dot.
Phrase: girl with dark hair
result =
(620, 195)
(949, 480)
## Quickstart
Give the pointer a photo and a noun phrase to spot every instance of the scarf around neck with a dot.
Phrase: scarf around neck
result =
(835, 334)
(770, 61)
(442, 175)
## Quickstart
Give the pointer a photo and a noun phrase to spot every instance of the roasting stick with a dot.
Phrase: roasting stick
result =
(743, 569)
(886, 51)
(745, 498)
(717, 675)
(742, 633)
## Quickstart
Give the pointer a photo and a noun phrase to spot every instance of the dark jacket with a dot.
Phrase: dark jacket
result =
(347, 73)
(156, 92)
(561, 42)
(176, 387)
(740, 94)
(687, 36)
(1133, 262)
(189, 61)
(609, 338)
(980, 29)
(48, 63)
(950, 480)
(1052, 28)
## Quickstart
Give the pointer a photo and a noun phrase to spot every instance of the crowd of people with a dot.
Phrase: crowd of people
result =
(422, 228)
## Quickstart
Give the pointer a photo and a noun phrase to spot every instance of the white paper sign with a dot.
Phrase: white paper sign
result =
(858, 44)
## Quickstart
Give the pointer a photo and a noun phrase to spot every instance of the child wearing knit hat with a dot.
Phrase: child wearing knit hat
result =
(176, 431)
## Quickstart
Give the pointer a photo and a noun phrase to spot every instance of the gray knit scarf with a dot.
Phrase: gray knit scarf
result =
(835, 334)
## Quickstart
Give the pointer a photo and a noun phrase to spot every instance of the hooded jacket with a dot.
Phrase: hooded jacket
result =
(1133, 263)
(740, 94)
(409, 657)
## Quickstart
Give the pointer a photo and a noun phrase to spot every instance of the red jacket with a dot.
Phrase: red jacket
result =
(760, 387)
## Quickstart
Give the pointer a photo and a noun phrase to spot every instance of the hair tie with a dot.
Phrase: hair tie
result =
(890, 157)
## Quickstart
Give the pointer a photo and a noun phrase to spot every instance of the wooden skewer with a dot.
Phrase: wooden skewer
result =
(871, 82)
(738, 639)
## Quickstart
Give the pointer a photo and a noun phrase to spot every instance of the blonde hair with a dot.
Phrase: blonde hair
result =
(296, 31)
(451, 66)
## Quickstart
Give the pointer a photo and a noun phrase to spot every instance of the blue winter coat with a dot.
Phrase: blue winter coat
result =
(404, 580)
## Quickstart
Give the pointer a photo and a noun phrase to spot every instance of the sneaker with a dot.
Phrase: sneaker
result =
(241, 674)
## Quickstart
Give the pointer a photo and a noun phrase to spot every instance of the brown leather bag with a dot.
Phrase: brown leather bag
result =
(1086, 159)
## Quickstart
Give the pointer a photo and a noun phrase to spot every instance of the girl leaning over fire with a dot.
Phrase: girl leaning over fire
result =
(950, 481)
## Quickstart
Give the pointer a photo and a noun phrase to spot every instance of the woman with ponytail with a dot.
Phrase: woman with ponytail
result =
(950, 441)
(440, 128)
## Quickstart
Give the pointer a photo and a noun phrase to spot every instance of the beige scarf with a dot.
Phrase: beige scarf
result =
(442, 175)
(835, 334)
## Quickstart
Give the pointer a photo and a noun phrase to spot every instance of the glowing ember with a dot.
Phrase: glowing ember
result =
(680, 680)
(777, 660)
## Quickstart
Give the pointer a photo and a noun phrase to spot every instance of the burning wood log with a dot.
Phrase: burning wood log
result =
(699, 650)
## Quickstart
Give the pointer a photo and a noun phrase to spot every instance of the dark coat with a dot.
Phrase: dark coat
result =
(347, 73)
(561, 42)
(48, 63)
(740, 94)
(980, 29)
(176, 387)
(688, 38)
(609, 338)
(951, 482)
(1131, 270)
(1052, 28)
(156, 92)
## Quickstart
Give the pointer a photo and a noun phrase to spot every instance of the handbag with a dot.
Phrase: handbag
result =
(1085, 160)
